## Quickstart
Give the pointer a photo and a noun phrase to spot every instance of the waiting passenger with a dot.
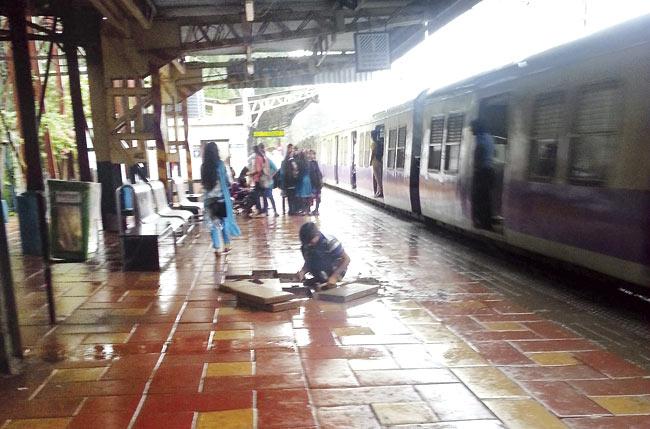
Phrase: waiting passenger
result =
(483, 176)
(316, 178)
(324, 257)
(303, 185)
(270, 184)
(218, 205)
(377, 162)
(289, 178)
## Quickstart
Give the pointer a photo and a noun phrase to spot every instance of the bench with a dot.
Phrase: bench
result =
(184, 218)
(140, 246)
(184, 202)
(140, 242)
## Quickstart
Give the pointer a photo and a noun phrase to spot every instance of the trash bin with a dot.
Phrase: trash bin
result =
(30, 237)
(74, 219)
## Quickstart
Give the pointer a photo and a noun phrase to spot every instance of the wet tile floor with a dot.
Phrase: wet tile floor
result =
(443, 345)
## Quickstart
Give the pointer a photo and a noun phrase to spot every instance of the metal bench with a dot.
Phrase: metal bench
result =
(184, 202)
(140, 242)
(184, 218)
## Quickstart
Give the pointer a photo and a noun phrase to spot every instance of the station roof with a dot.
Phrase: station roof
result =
(255, 43)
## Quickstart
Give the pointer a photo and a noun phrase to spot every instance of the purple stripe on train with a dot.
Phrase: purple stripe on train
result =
(614, 222)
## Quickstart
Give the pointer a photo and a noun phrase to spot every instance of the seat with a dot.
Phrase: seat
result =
(183, 201)
(162, 206)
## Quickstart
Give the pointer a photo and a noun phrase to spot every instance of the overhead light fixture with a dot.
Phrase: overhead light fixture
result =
(250, 10)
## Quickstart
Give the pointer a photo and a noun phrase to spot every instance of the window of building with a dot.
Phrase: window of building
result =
(595, 132)
(392, 148)
(435, 143)
(452, 144)
(401, 148)
(545, 133)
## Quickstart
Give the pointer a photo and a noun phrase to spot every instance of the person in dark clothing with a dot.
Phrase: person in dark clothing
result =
(303, 184)
(289, 178)
(377, 162)
(316, 178)
(483, 176)
(325, 258)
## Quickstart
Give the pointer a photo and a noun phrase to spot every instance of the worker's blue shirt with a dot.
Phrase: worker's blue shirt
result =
(323, 256)
(484, 152)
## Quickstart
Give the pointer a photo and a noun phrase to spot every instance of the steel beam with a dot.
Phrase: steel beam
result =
(25, 91)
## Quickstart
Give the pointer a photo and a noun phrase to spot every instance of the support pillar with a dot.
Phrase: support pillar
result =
(161, 152)
(188, 153)
(77, 109)
(22, 73)
(108, 173)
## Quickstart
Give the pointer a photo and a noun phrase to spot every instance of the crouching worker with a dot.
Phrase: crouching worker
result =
(324, 257)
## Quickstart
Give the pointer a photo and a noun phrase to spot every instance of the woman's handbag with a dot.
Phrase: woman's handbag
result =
(216, 207)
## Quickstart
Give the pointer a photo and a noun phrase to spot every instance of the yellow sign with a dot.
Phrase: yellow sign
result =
(273, 133)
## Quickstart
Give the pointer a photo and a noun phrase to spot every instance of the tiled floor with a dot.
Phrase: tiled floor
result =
(444, 344)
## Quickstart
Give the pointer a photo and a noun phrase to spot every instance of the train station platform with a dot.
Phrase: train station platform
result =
(456, 339)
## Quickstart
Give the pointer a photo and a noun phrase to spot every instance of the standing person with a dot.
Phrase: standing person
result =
(483, 176)
(218, 205)
(303, 185)
(376, 160)
(316, 178)
(270, 184)
(261, 178)
(289, 177)
(325, 258)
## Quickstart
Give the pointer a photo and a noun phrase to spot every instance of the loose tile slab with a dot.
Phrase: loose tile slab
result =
(347, 293)
(257, 293)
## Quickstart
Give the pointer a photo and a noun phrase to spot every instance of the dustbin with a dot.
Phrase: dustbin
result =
(74, 219)
(30, 237)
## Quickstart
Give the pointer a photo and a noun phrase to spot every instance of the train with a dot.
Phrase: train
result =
(572, 153)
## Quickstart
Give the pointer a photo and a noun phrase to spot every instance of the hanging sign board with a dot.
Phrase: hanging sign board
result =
(372, 51)
(272, 133)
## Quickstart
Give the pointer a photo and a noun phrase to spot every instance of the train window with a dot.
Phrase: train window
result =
(435, 143)
(547, 125)
(595, 133)
(452, 145)
(392, 148)
(401, 148)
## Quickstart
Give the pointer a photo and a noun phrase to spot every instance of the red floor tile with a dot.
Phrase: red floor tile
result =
(204, 402)
(610, 364)
(631, 422)
(285, 415)
(572, 372)
(631, 386)
(329, 373)
(181, 420)
(562, 399)
(105, 404)
(502, 353)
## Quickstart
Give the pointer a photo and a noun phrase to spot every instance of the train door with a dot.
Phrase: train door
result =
(493, 112)
(336, 159)
(353, 167)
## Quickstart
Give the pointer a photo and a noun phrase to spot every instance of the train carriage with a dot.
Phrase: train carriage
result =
(572, 131)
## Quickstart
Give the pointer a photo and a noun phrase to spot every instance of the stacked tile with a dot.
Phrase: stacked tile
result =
(264, 296)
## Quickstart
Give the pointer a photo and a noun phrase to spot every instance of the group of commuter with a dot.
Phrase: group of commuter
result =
(299, 177)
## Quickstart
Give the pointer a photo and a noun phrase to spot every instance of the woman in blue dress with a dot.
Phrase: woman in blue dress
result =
(216, 185)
